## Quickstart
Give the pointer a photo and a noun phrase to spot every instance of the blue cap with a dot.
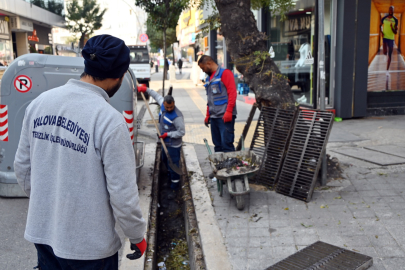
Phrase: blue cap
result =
(105, 56)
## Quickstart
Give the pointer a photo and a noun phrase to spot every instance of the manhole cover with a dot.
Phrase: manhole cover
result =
(324, 256)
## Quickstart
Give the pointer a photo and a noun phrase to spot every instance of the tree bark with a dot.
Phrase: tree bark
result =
(243, 39)
(164, 62)
(81, 42)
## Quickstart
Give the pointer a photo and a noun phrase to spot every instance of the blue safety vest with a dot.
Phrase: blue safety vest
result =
(217, 95)
(166, 125)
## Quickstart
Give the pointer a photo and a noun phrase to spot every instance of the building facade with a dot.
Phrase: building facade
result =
(26, 28)
(359, 81)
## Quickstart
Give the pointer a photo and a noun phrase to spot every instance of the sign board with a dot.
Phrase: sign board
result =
(22, 83)
(143, 37)
(4, 32)
(18, 23)
(297, 24)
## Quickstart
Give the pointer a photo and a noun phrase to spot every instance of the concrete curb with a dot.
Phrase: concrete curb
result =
(145, 192)
(212, 242)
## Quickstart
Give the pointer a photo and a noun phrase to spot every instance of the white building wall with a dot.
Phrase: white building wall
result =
(123, 20)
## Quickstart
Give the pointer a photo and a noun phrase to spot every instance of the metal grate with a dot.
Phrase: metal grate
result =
(272, 132)
(303, 159)
(321, 255)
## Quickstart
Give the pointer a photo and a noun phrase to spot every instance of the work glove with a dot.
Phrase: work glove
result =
(163, 136)
(207, 118)
(207, 121)
(139, 250)
(142, 88)
(227, 117)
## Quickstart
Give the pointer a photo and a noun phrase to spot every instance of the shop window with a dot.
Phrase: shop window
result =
(5, 52)
(386, 64)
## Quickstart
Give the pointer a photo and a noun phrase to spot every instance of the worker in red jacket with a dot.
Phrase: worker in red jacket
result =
(221, 105)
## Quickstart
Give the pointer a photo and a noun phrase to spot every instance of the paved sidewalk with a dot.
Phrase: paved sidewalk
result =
(363, 212)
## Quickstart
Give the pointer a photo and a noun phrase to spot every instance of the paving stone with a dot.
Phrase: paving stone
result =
(279, 223)
(300, 215)
(375, 230)
(260, 253)
(364, 187)
(305, 239)
(382, 240)
(369, 251)
(369, 213)
(239, 263)
(350, 230)
(255, 241)
(388, 192)
(394, 199)
(262, 222)
(260, 232)
(236, 232)
(368, 193)
(381, 186)
(393, 263)
(398, 232)
(279, 214)
(332, 239)
(240, 251)
(298, 207)
(254, 264)
(281, 232)
(390, 251)
(378, 265)
(283, 252)
(396, 206)
(236, 241)
(356, 240)
(280, 241)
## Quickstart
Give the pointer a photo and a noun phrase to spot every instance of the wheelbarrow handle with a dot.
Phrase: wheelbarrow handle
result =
(208, 147)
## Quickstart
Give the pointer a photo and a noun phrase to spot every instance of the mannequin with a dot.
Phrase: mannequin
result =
(304, 49)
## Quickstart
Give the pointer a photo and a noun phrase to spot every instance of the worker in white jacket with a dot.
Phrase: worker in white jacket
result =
(76, 163)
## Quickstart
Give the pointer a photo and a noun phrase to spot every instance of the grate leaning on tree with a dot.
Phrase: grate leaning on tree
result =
(304, 155)
(269, 141)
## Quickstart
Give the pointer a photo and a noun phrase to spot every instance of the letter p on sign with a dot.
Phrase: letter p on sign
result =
(22, 83)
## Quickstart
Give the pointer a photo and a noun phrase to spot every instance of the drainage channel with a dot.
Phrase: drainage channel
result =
(173, 238)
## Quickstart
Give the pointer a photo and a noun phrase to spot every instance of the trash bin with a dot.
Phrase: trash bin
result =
(24, 80)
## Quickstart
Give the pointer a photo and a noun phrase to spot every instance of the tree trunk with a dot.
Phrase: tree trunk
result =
(243, 40)
(81, 42)
(164, 61)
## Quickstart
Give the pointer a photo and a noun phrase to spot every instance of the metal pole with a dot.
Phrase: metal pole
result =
(321, 72)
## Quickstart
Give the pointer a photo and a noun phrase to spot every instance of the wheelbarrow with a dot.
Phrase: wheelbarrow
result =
(237, 177)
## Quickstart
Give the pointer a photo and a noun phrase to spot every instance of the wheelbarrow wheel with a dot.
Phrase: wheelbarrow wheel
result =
(240, 199)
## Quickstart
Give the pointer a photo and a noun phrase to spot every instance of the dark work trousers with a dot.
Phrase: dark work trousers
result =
(47, 260)
(174, 153)
(223, 134)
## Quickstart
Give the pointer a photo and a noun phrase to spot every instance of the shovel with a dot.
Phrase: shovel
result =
(169, 159)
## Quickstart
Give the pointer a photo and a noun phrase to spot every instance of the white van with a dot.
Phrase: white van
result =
(140, 63)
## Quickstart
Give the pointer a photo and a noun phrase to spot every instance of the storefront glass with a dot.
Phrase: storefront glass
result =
(5, 52)
(292, 45)
(386, 65)
(220, 50)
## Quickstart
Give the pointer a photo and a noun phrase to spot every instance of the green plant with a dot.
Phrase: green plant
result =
(84, 18)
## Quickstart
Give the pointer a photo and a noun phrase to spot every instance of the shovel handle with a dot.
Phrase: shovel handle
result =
(154, 122)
